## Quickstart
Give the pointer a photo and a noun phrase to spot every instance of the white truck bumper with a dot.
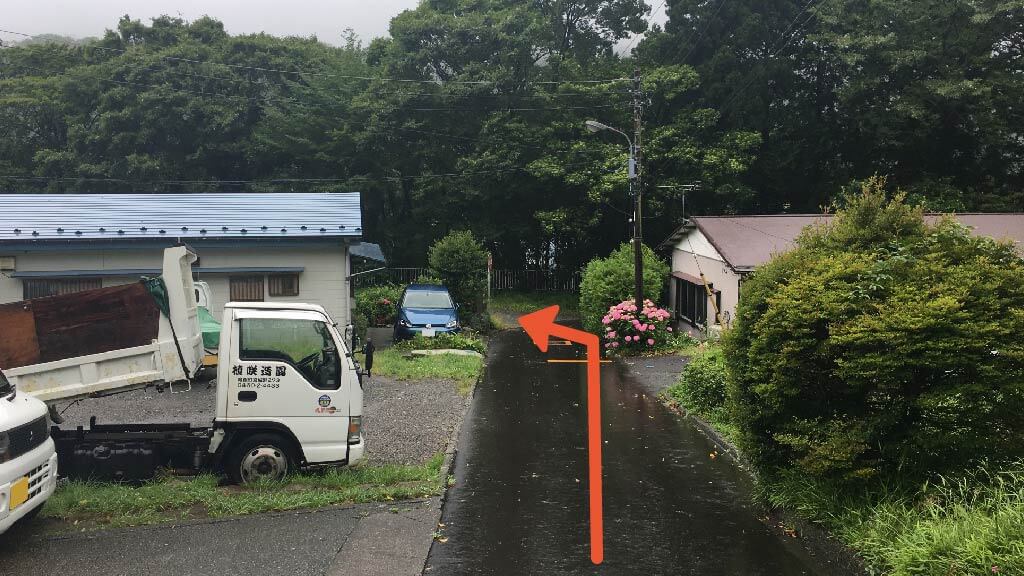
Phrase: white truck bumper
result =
(355, 451)
(40, 467)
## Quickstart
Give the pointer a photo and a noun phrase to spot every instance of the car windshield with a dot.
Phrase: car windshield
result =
(427, 299)
(5, 386)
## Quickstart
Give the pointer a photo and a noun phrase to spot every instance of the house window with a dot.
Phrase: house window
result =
(692, 302)
(283, 284)
(246, 288)
(55, 287)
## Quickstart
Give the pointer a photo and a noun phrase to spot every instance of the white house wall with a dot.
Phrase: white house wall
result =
(322, 281)
(705, 258)
(695, 242)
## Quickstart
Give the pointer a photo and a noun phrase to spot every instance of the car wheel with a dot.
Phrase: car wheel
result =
(261, 457)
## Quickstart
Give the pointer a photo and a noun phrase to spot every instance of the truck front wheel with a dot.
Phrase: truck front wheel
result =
(260, 457)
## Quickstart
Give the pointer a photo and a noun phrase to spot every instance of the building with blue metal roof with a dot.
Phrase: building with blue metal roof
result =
(251, 246)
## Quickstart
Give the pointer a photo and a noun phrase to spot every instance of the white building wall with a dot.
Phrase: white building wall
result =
(322, 281)
(694, 254)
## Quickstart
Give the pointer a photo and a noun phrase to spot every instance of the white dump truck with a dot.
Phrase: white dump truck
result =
(28, 461)
(288, 391)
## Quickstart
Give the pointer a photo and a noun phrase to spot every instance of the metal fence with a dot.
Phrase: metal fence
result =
(501, 280)
(535, 281)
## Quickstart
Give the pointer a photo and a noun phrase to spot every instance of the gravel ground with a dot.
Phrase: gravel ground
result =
(406, 422)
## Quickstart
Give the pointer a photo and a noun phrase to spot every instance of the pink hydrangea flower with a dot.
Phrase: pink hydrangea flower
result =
(650, 341)
(615, 344)
(669, 328)
(611, 334)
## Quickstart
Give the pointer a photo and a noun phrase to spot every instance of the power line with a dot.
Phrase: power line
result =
(512, 109)
(385, 93)
(280, 180)
(775, 52)
(703, 30)
(342, 76)
(308, 107)
(638, 36)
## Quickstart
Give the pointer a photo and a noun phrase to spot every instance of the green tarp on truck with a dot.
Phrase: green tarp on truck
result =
(210, 328)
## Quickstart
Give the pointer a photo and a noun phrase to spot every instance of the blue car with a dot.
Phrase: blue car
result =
(426, 309)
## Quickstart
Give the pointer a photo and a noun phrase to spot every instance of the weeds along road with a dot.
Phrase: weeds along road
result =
(518, 505)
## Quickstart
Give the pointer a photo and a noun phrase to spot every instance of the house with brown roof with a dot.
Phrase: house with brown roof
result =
(711, 256)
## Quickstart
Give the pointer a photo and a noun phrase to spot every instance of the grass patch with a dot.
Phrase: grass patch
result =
(171, 498)
(523, 302)
(972, 525)
(506, 306)
(464, 370)
(465, 340)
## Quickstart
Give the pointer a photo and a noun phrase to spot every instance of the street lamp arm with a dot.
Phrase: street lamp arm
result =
(595, 126)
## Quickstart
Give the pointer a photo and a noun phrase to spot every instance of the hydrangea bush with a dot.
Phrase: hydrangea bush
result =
(630, 331)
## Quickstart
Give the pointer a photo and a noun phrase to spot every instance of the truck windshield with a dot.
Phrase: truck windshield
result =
(5, 386)
(427, 299)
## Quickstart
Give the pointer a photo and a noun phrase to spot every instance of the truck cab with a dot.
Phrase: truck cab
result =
(28, 462)
(288, 393)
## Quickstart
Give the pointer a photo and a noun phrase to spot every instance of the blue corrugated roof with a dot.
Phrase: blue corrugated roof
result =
(115, 272)
(113, 216)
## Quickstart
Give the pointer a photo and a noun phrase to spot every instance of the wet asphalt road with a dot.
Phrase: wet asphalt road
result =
(519, 501)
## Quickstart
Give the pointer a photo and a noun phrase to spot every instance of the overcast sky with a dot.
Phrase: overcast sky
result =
(326, 19)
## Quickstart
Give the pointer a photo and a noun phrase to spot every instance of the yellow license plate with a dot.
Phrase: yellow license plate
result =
(19, 492)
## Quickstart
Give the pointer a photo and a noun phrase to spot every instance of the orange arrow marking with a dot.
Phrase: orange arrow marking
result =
(540, 325)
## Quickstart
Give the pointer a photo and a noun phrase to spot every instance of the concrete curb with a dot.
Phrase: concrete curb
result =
(723, 445)
(452, 447)
(450, 451)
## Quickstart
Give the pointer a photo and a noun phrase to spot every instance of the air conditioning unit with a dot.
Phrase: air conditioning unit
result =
(6, 263)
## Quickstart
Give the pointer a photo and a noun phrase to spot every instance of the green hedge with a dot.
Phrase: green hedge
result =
(460, 262)
(608, 281)
(461, 341)
(881, 347)
(703, 382)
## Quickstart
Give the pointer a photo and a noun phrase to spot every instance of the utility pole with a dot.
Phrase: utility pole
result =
(634, 188)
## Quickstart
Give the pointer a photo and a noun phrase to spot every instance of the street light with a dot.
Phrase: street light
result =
(638, 258)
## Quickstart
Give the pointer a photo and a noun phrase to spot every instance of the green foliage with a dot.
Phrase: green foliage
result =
(377, 305)
(830, 92)
(973, 524)
(608, 281)
(446, 340)
(460, 262)
(701, 389)
(882, 346)
(702, 382)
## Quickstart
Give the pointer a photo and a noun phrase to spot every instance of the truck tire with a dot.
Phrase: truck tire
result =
(260, 457)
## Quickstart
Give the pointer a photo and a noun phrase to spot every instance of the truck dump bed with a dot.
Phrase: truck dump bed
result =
(96, 341)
